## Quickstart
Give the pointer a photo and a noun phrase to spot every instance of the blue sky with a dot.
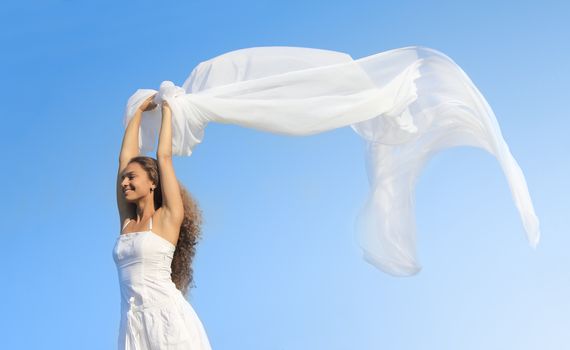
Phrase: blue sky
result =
(278, 266)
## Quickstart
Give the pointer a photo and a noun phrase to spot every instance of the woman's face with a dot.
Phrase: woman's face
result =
(135, 182)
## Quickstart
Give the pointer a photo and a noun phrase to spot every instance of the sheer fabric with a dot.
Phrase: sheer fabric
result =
(407, 104)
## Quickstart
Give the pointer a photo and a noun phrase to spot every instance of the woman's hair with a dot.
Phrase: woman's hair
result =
(190, 229)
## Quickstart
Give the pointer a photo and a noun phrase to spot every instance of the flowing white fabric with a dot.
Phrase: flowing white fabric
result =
(407, 104)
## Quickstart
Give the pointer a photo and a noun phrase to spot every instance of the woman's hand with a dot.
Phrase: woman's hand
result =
(148, 104)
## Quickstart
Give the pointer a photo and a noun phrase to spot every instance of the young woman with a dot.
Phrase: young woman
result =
(160, 227)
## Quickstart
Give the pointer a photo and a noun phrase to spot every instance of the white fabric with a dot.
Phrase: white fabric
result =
(407, 104)
(154, 313)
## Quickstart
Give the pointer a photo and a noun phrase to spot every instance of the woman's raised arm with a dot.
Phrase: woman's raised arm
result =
(171, 197)
(130, 149)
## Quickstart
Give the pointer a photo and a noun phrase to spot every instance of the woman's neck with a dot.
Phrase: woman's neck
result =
(145, 208)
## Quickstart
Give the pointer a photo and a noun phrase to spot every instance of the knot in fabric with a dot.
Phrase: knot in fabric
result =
(168, 90)
(132, 303)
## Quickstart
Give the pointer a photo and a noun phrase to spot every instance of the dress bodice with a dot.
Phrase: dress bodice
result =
(143, 260)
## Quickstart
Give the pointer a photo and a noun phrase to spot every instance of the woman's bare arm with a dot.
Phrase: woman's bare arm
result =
(130, 149)
(171, 197)
(130, 146)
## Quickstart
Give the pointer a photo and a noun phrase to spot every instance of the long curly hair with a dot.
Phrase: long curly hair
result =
(190, 230)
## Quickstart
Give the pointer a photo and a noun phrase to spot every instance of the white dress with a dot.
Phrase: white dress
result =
(406, 104)
(155, 315)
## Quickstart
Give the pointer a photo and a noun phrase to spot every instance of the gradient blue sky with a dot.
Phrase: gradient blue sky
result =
(278, 266)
